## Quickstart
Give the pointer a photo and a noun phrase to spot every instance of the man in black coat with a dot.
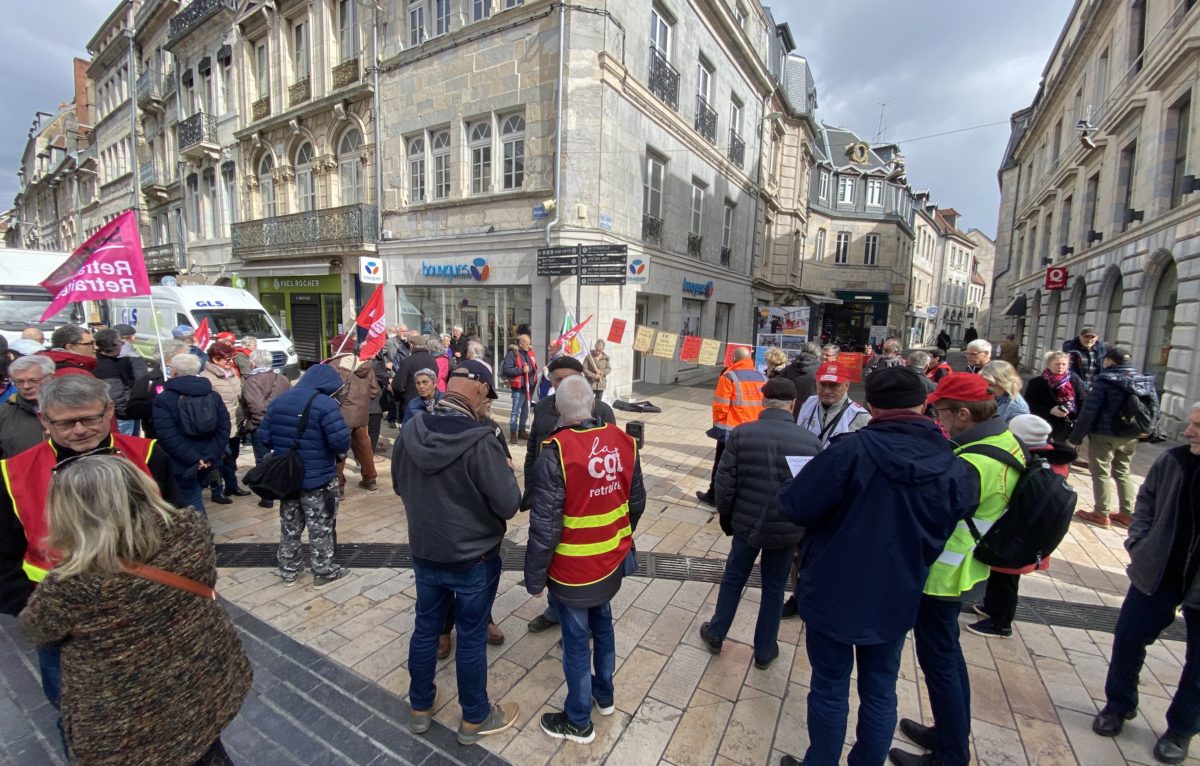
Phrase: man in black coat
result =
(754, 465)
(1164, 574)
(802, 371)
(404, 385)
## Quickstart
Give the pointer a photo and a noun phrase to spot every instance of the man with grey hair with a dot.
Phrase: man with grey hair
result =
(890, 356)
(34, 334)
(20, 427)
(458, 344)
(979, 353)
(193, 425)
(829, 352)
(1163, 576)
(77, 413)
(919, 361)
(587, 498)
(475, 350)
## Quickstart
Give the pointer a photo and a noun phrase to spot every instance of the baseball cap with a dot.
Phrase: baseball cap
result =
(1089, 331)
(1118, 355)
(183, 331)
(832, 372)
(25, 346)
(779, 388)
(478, 371)
(125, 330)
(895, 388)
(960, 387)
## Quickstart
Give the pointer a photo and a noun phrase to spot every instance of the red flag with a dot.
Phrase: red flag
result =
(109, 265)
(372, 319)
(202, 335)
(565, 340)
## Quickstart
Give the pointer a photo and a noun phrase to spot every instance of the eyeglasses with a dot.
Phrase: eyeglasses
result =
(22, 382)
(83, 343)
(67, 461)
(87, 421)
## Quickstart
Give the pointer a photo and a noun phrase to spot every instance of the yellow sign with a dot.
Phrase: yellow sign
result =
(644, 339)
(708, 351)
(664, 345)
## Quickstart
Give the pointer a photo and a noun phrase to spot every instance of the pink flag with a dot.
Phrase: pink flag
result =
(108, 265)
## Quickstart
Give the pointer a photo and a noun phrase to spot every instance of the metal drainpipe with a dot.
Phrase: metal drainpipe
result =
(378, 128)
(562, 44)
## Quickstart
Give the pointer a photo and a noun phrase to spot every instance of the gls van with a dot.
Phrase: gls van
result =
(227, 309)
(22, 299)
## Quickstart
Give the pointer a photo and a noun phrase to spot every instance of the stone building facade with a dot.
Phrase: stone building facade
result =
(984, 260)
(1098, 180)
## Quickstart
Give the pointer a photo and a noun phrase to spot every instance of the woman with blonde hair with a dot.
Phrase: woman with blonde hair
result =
(1056, 395)
(776, 359)
(152, 668)
(1005, 385)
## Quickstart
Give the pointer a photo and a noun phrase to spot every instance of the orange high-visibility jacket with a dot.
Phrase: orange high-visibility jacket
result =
(738, 398)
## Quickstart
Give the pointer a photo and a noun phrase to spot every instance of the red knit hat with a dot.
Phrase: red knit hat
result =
(961, 387)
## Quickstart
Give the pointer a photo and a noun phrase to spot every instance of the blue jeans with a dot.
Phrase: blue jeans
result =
(941, 658)
(128, 427)
(829, 698)
(775, 565)
(579, 659)
(1141, 620)
(50, 667)
(520, 411)
(473, 590)
(191, 493)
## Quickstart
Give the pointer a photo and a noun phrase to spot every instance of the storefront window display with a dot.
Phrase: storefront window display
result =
(849, 325)
(497, 315)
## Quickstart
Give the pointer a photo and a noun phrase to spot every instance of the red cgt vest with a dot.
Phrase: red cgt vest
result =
(597, 468)
(31, 470)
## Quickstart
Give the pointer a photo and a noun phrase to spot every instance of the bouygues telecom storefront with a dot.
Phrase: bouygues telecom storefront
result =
(439, 293)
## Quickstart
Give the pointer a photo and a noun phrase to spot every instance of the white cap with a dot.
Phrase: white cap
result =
(1031, 430)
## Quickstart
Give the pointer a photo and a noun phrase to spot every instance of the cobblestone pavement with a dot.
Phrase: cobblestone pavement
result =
(1032, 696)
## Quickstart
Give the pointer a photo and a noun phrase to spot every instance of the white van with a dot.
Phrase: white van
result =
(227, 309)
(22, 299)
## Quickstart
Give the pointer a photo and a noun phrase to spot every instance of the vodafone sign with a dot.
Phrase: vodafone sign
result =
(1056, 278)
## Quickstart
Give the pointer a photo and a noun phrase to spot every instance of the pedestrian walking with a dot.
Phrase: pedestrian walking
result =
(20, 427)
(359, 388)
(967, 410)
(979, 353)
(521, 369)
(192, 424)
(1087, 354)
(259, 389)
(221, 371)
(452, 473)
(1056, 395)
(1163, 576)
(1010, 351)
(109, 606)
(737, 400)
(596, 367)
(753, 468)
(587, 498)
(970, 334)
(1005, 384)
(879, 505)
(943, 340)
(309, 420)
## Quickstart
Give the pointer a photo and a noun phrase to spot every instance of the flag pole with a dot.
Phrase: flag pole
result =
(162, 355)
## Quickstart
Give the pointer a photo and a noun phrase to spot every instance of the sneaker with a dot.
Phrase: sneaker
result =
(501, 717)
(711, 642)
(540, 623)
(978, 609)
(766, 663)
(1121, 520)
(921, 735)
(989, 629)
(1170, 748)
(706, 498)
(289, 578)
(1093, 518)
(557, 726)
(602, 709)
(790, 610)
(1108, 722)
(369, 485)
(320, 581)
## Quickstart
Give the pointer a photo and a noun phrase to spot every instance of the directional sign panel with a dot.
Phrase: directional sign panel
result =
(603, 280)
(618, 258)
(604, 249)
(552, 251)
(557, 271)
(610, 270)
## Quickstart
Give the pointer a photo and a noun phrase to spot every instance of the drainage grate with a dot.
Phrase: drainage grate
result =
(667, 566)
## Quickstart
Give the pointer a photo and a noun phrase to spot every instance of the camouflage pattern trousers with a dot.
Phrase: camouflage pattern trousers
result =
(317, 510)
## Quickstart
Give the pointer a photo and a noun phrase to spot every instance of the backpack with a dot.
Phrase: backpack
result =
(1038, 516)
(1139, 410)
(197, 416)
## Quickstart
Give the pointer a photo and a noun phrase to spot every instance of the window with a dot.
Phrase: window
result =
(871, 250)
(1064, 225)
(660, 33)
(300, 51)
(704, 78)
(266, 186)
(350, 167)
(416, 170)
(739, 15)
(212, 218)
(306, 190)
(1180, 126)
(228, 204)
(1091, 192)
(481, 9)
(875, 192)
(1047, 238)
(441, 164)
(735, 116)
(1137, 35)
(842, 252)
(1101, 79)
(416, 22)
(1058, 129)
(1077, 113)
(1162, 324)
(820, 254)
(656, 172)
(845, 190)
(1125, 179)
(348, 29)
(480, 141)
(227, 99)
(512, 139)
(195, 225)
(727, 225)
(823, 194)
(697, 220)
(441, 17)
(262, 70)
(513, 3)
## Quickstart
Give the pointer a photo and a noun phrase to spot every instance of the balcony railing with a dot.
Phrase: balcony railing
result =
(197, 130)
(153, 176)
(300, 92)
(737, 149)
(726, 256)
(345, 73)
(652, 228)
(664, 80)
(350, 226)
(150, 88)
(159, 258)
(706, 120)
(694, 243)
(260, 108)
(195, 14)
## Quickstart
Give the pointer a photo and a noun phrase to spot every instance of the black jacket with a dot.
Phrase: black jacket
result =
(1104, 399)
(452, 473)
(20, 428)
(1156, 521)
(1040, 397)
(118, 372)
(1085, 364)
(802, 371)
(141, 400)
(545, 528)
(545, 422)
(752, 469)
(404, 386)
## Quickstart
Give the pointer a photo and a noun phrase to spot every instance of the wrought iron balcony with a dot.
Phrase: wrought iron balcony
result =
(694, 242)
(197, 134)
(664, 79)
(726, 256)
(737, 149)
(195, 14)
(300, 92)
(706, 119)
(345, 73)
(348, 227)
(161, 258)
(150, 89)
(652, 228)
(260, 108)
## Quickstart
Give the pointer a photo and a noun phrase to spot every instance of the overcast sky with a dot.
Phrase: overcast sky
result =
(940, 66)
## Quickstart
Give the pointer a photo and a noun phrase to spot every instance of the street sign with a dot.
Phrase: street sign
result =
(606, 269)
(617, 259)
(605, 280)
(604, 249)
(557, 271)
(552, 251)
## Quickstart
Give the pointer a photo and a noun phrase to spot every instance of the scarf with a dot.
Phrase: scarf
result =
(1063, 390)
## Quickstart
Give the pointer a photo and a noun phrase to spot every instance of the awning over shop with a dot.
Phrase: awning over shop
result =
(314, 268)
(1016, 308)
(819, 298)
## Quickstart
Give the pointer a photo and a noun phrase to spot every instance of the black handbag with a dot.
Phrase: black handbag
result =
(281, 474)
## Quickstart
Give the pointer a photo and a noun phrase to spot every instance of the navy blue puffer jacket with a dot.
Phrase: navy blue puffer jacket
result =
(326, 435)
(187, 451)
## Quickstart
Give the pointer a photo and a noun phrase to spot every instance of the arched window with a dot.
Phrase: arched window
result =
(1112, 320)
(1079, 303)
(1052, 312)
(266, 186)
(350, 167)
(1162, 324)
(306, 189)
(480, 140)
(441, 164)
(416, 169)
(512, 136)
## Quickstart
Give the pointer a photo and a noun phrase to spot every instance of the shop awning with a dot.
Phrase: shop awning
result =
(306, 268)
(1016, 308)
(819, 298)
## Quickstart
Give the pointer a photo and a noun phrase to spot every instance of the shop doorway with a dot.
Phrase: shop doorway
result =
(305, 310)
(639, 361)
